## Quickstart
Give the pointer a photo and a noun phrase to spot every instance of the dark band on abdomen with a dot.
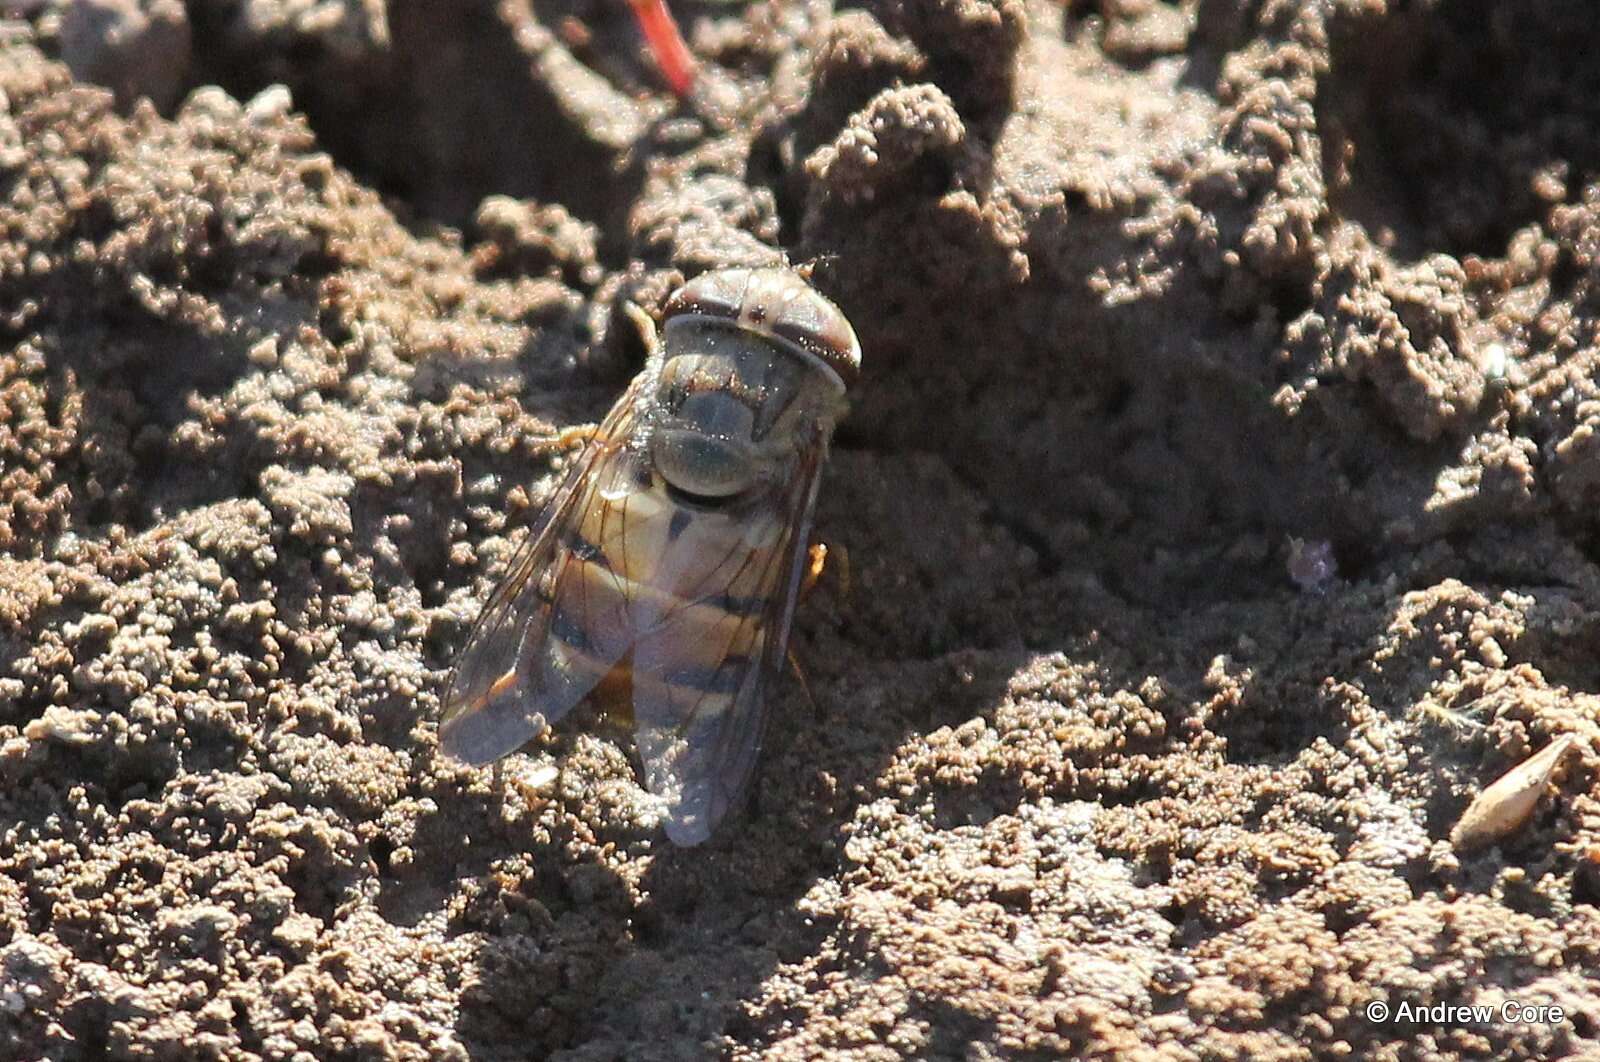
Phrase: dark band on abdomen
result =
(580, 546)
(571, 633)
(735, 604)
(724, 678)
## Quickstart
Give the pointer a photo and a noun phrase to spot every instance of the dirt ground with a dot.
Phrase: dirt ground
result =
(1221, 500)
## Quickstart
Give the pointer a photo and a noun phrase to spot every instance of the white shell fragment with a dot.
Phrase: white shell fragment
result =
(1508, 803)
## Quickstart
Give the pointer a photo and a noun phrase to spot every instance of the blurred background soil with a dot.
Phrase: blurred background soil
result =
(1222, 503)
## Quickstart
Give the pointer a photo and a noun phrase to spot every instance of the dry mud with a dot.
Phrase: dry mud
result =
(1220, 502)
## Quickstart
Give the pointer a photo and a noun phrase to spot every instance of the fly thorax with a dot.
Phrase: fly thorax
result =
(704, 447)
(731, 408)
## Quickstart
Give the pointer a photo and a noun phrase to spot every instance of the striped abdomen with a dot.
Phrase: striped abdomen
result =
(687, 586)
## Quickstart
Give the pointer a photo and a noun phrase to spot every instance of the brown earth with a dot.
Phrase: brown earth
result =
(1222, 503)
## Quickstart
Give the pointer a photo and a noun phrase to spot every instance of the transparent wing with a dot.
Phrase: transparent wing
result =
(554, 625)
(703, 663)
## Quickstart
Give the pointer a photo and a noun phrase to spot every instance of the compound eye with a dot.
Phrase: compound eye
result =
(819, 328)
(715, 294)
(774, 302)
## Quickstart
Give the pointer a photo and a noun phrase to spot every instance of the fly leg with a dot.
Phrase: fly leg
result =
(643, 322)
(577, 436)
(816, 563)
(817, 557)
(574, 437)
(805, 687)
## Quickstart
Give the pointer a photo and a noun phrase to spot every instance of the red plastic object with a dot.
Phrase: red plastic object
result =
(666, 44)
